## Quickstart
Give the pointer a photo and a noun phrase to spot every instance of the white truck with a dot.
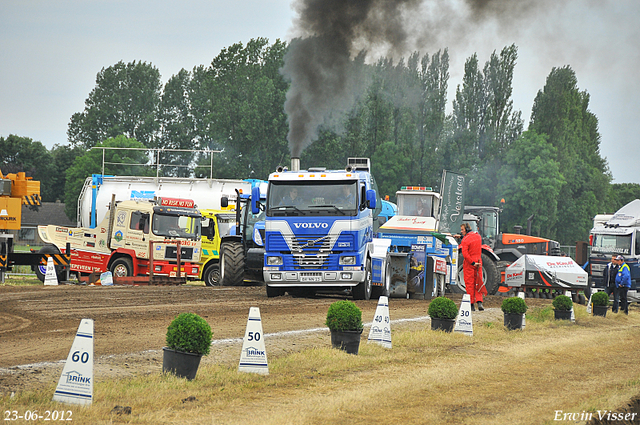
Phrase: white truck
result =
(158, 238)
(618, 235)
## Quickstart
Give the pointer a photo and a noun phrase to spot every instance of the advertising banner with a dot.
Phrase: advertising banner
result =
(452, 207)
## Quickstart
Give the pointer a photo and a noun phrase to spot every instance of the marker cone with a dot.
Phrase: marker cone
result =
(464, 322)
(253, 357)
(524, 318)
(573, 316)
(381, 328)
(50, 277)
(76, 382)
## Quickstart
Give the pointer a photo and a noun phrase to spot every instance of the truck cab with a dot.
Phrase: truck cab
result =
(124, 240)
(619, 235)
(319, 230)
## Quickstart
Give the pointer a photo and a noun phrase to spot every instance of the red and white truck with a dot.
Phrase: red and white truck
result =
(168, 227)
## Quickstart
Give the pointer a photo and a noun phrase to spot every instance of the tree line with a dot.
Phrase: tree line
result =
(552, 170)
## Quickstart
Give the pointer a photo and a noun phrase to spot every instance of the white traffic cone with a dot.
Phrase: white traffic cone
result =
(381, 328)
(76, 382)
(589, 303)
(524, 319)
(464, 322)
(50, 277)
(253, 357)
(573, 316)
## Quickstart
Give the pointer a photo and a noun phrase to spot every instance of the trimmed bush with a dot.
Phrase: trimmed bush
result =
(563, 303)
(344, 316)
(514, 305)
(443, 308)
(600, 298)
(189, 333)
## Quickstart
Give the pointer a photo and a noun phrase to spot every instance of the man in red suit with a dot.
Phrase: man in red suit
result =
(471, 247)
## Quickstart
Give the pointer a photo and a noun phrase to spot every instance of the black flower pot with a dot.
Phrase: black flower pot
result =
(446, 325)
(600, 310)
(348, 341)
(179, 363)
(513, 321)
(562, 314)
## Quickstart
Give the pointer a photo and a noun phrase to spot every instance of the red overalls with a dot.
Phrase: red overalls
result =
(471, 246)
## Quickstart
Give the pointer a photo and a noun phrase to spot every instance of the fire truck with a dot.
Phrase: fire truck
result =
(131, 230)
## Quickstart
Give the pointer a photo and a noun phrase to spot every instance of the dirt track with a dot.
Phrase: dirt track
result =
(38, 324)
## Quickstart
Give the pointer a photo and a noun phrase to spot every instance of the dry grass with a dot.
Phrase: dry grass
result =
(494, 377)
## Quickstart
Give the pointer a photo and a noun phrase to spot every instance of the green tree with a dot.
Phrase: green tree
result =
(483, 124)
(124, 101)
(620, 194)
(116, 162)
(561, 111)
(22, 154)
(244, 107)
(530, 183)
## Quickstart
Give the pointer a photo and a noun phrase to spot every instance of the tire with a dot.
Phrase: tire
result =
(232, 264)
(41, 270)
(362, 291)
(122, 267)
(489, 275)
(274, 292)
(211, 275)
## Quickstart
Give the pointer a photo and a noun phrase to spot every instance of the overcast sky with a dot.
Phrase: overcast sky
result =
(51, 51)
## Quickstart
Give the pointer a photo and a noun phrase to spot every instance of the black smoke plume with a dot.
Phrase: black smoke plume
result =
(324, 64)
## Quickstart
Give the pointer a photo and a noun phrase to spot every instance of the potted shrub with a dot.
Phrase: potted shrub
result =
(344, 320)
(188, 339)
(443, 312)
(562, 307)
(513, 308)
(600, 301)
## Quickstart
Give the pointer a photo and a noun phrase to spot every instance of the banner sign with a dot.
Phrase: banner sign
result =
(452, 208)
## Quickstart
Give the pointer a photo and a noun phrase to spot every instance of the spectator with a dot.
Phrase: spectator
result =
(623, 282)
(609, 275)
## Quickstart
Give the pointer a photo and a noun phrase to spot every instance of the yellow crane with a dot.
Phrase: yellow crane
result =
(16, 190)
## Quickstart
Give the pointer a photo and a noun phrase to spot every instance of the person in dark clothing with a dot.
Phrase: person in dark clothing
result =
(623, 282)
(609, 280)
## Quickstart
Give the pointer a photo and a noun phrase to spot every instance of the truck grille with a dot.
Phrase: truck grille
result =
(171, 252)
(311, 252)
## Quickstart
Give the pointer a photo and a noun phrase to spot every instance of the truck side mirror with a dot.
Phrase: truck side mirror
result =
(224, 202)
(255, 200)
(371, 199)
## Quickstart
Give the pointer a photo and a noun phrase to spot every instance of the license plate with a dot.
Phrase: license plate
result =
(310, 279)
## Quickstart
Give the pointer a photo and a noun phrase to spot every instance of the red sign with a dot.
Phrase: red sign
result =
(440, 265)
(177, 202)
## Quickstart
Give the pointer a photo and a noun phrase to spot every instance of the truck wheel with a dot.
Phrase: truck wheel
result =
(489, 275)
(211, 275)
(231, 264)
(41, 270)
(274, 292)
(362, 291)
(122, 267)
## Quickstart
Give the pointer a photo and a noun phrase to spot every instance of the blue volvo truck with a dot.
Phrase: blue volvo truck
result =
(319, 227)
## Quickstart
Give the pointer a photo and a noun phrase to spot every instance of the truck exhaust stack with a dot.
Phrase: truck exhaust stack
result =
(295, 164)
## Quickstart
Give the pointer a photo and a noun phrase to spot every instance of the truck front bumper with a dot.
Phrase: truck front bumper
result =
(286, 278)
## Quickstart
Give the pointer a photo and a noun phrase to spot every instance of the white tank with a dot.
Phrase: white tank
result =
(206, 193)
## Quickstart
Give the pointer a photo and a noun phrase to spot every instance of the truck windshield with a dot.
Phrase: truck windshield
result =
(312, 198)
(489, 224)
(611, 244)
(176, 226)
(415, 205)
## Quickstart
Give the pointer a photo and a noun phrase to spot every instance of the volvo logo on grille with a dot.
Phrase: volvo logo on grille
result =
(311, 225)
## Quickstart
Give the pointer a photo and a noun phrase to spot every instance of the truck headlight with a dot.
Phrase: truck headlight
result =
(347, 260)
(256, 237)
(274, 261)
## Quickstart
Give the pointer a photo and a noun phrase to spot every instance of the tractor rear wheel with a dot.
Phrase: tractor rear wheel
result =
(231, 264)
(490, 277)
